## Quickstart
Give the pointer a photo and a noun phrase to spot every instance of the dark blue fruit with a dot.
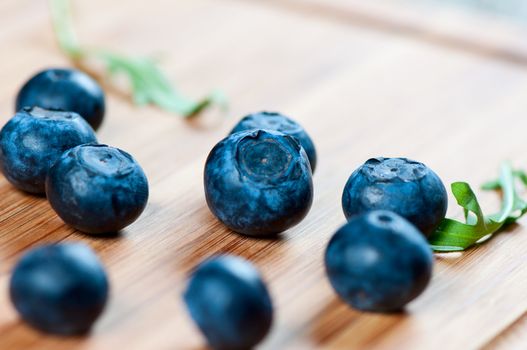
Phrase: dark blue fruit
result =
(60, 289)
(403, 186)
(378, 262)
(97, 188)
(67, 90)
(279, 122)
(34, 139)
(258, 182)
(230, 303)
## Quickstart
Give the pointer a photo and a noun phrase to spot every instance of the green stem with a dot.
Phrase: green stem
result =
(147, 81)
(63, 26)
(508, 188)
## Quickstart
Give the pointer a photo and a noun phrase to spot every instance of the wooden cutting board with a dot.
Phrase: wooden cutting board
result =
(365, 81)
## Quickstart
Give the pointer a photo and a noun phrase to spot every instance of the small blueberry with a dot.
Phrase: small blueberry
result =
(404, 186)
(33, 140)
(229, 302)
(378, 262)
(59, 289)
(258, 182)
(67, 90)
(97, 188)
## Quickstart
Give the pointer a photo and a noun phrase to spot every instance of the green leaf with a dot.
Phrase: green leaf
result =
(148, 83)
(453, 235)
(63, 27)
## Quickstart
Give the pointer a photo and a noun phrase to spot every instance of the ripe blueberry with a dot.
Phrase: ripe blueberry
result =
(229, 302)
(34, 139)
(403, 186)
(378, 261)
(97, 188)
(67, 90)
(258, 182)
(278, 122)
(60, 289)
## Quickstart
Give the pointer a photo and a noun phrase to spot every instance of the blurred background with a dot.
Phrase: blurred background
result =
(516, 9)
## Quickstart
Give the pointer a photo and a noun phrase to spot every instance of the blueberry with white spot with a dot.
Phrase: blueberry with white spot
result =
(60, 289)
(258, 182)
(279, 122)
(97, 188)
(378, 262)
(229, 302)
(64, 89)
(404, 186)
(34, 139)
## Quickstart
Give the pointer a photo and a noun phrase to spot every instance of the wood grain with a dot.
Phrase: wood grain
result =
(360, 90)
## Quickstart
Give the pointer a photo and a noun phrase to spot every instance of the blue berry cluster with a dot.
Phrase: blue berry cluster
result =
(49, 148)
(258, 182)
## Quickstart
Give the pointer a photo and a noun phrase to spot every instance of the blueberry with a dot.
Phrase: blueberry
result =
(67, 90)
(230, 303)
(97, 188)
(34, 139)
(279, 122)
(258, 182)
(403, 186)
(378, 262)
(60, 289)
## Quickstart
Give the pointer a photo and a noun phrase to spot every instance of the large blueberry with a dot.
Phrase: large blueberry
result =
(279, 122)
(67, 90)
(34, 139)
(60, 289)
(258, 182)
(97, 188)
(229, 302)
(403, 186)
(378, 262)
